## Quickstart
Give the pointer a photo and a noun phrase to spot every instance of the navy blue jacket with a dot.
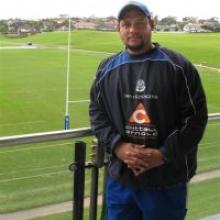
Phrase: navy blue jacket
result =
(155, 99)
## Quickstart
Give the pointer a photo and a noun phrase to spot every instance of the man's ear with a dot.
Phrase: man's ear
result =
(152, 23)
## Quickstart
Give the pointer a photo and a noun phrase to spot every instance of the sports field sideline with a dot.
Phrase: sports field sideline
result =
(32, 99)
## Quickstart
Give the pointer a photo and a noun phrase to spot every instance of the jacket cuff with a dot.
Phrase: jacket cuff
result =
(164, 153)
(115, 142)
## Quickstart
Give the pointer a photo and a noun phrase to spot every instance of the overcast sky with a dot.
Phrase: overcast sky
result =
(36, 9)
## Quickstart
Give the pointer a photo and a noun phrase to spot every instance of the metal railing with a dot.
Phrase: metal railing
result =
(214, 116)
(59, 135)
(44, 137)
(79, 165)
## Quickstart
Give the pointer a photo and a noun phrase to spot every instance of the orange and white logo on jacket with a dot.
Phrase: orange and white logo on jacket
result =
(139, 128)
(139, 115)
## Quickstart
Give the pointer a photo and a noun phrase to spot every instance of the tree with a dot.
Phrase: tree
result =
(190, 20)
(3, 27)
(156, 20)
(213, 19)
(168, 20)
(211, 26)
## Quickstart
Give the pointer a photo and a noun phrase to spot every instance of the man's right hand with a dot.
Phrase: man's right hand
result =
(137, 157)
(123, 149)
(130, 154)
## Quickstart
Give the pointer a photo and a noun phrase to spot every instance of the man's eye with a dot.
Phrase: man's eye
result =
(126, 25)
(140, 23)
(137, 24)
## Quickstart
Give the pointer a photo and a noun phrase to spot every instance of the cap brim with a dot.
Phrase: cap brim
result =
(127, 7)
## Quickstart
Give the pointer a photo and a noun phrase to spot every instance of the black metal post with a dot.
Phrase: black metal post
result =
(79, 180)
(94, 182)
(104, 208)
(94, 193)
(98, 158)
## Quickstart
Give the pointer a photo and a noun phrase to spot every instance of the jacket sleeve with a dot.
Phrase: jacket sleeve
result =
(192, 113)
(101, 124)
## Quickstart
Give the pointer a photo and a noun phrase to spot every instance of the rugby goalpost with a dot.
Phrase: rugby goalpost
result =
(67, 117)
(67, 101)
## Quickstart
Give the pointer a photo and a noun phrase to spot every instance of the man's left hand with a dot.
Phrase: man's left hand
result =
(145, 159)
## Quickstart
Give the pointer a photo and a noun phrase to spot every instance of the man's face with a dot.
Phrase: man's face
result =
(135, 31)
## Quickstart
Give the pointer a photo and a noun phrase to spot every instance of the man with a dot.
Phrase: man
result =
(148, 110)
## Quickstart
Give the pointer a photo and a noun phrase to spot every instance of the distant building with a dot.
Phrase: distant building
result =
(166, 27)
(193, 28)
(20, 27)
(85, 25)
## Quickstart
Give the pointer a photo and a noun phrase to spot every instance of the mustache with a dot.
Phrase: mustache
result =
(134, 35)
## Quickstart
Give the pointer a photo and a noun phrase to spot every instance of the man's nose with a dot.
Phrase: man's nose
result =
(133, 28)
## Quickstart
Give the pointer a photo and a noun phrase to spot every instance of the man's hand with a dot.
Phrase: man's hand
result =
(138, 158)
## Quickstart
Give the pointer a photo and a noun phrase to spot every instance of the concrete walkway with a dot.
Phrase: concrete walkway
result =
(213, 217)
(38, 212)
(205, 176)
(44, 211)
(67, 206)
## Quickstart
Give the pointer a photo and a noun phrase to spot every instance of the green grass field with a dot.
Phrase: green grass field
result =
(33, 91)
(32, 99)
(33, 81)
(36, 175)
(196, 206)
(200, 48)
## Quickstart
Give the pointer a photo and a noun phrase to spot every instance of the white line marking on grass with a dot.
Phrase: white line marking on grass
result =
(209, 146)
(79, 101)
(24, 169)
(36, 169)
(216, 123)
(209, 143)
(31, 177)
(32, 170)
(40, 175)
(207, 67)
(22, 123)
(209, 158)
(35, 148)
(93, 51)
(18, 47)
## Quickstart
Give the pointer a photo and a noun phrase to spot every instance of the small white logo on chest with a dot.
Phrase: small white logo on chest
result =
(140, 87)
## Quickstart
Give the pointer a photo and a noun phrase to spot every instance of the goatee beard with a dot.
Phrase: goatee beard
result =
(137, 48)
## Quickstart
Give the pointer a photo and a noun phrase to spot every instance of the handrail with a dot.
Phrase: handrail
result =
(214, 116)
(59, 135)
(44, 137)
